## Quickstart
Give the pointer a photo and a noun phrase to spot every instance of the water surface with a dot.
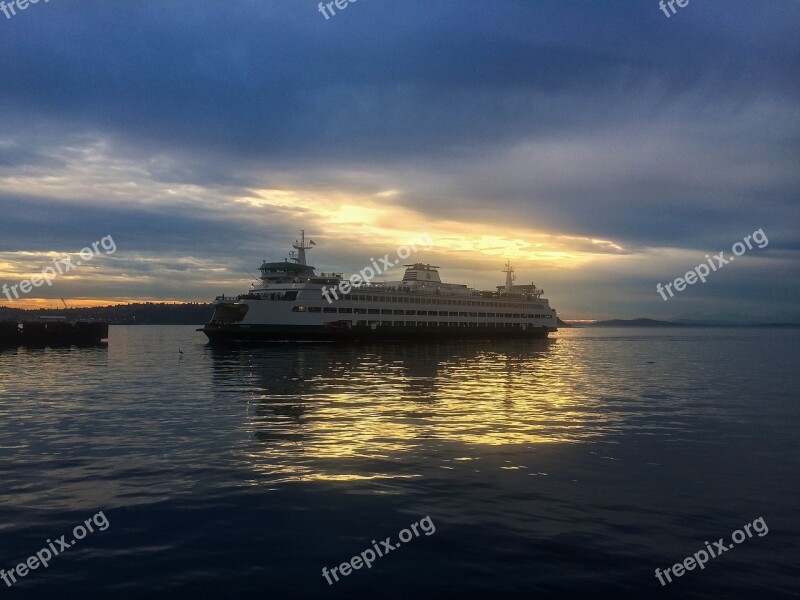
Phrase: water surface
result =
(571, 467)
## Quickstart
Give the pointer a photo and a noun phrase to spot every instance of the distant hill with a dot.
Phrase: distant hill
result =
(147, 313)
(684, 323)
(637, 323)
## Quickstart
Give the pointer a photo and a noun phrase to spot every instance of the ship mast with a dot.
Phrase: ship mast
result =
(510, 277)
(301, 248)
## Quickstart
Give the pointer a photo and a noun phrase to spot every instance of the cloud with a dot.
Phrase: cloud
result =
(573, 139)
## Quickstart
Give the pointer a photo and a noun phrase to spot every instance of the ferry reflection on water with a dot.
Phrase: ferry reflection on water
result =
(330, 411)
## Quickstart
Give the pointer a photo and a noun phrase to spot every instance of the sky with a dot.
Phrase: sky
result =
(602, 147)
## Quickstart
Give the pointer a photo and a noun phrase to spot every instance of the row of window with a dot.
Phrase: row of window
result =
(434, 324)
(435, 313)
(292, 295)
(426, 300)
(288, 295)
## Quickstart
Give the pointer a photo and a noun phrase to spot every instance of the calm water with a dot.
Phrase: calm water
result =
(567, 468)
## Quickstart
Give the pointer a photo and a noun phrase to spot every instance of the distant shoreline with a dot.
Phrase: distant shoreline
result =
(140, 313)
(198, 313)
(653, 323)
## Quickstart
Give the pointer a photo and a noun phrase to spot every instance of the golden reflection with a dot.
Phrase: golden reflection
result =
(316, 411)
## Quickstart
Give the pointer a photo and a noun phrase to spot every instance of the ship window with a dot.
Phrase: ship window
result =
(399, 312)
(422, 312)
(345, 310)
(328, 310)
(361, 323)
(411, 312)
(490, 315)
(314, 309)
(298, 309)
(290, 295)
(473, 314)
(399, 323)
(360, 311)
(463, 314)
(386, 311)
(373, 311)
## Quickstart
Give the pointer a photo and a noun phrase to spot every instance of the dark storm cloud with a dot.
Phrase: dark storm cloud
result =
(43, 225)
(381, 80)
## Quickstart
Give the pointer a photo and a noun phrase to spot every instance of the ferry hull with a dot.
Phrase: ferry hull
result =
(278, 333)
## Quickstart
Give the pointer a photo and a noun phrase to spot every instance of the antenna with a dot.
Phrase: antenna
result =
(301, 248)
(510, 277)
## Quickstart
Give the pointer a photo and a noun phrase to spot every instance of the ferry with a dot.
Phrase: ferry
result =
(292, 302)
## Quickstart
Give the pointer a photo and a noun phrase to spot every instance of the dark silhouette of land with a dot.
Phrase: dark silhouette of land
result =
(148, 313)
(681, 323)
(198, 313)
